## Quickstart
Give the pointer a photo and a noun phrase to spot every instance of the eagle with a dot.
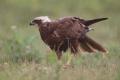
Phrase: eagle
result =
(68, 33)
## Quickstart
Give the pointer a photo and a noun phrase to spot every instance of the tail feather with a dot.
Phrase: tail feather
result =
(90, 45)
(90, 22)
(85, 46)
(95, 45)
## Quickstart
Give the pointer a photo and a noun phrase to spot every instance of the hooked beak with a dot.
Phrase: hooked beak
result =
(32, 23)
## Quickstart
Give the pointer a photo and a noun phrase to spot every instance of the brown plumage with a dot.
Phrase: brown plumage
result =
(68, 32)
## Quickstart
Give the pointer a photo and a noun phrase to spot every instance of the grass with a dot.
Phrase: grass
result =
(23, 61)
(88, 67)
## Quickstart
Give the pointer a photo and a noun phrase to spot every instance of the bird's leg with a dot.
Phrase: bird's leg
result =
(70, 56)
(73, 46)
(59, 54)
(69, 61)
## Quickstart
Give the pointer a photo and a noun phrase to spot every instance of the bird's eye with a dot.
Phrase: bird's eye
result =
(37, 21)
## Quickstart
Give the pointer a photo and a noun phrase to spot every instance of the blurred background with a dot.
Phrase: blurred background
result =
(23, 55)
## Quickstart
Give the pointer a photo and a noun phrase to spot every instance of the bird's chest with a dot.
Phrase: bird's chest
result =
(49, 36)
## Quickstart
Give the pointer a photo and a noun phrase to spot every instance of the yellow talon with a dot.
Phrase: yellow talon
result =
(69, 59)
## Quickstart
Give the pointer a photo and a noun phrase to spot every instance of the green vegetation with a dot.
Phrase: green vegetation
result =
(23, 55)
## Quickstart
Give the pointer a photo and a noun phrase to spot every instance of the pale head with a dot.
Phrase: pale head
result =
(40, 19)
(43, 18)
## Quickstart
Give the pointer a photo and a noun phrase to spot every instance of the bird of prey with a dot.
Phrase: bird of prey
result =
(68, 33)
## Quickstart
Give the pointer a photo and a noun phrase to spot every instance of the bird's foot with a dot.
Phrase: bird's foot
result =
(65, 66)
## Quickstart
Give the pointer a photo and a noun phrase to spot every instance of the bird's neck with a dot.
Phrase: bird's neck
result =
(44, 31)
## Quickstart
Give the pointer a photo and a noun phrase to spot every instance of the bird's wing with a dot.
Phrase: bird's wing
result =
(68, 28)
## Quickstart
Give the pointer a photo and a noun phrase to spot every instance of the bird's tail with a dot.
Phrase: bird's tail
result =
(89, 45)
(90, 22)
